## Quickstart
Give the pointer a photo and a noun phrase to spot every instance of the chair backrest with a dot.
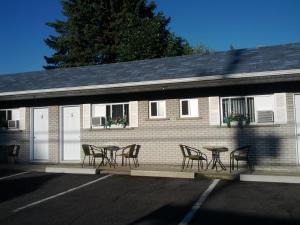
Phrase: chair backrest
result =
(131, 150)
(86, 149)
(137, 150)
(185, 150)
(13, 150)
(244, 149)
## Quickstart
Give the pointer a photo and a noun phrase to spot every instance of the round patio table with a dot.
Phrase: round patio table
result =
(215, 151)
(112, 150)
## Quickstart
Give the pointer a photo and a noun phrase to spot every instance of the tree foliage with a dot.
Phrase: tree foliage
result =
(107, 31)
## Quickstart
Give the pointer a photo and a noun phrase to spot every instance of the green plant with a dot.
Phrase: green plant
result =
(118, 121)
(240, 118)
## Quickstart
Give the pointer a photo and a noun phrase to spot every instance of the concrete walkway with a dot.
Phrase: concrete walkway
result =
(261, 174)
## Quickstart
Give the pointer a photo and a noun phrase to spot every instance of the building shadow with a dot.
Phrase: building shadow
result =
(265, 147)
(13, 188)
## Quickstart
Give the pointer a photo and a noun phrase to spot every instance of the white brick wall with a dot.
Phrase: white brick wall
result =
(160, 138)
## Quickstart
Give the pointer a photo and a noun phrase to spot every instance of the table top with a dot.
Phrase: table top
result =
(109, 147)
(216, 148)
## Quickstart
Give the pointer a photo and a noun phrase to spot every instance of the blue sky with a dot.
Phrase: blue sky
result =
(215, 23)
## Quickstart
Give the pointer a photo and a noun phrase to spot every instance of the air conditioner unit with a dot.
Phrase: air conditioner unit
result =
(13, 124)
(98, 121)
(266, 116)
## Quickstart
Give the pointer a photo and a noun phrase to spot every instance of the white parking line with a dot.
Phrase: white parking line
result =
(13, 175)
(60, 194)
(188, 217)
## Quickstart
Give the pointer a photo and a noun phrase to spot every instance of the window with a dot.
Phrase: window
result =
(189, 108)
(101, 113)
(9, 118)
(157, 109)
(258, 109)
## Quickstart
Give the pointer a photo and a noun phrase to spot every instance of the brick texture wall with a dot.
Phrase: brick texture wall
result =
(274, 144)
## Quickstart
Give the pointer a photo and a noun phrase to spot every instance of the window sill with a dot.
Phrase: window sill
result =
(5, 130)
(112, 128)
(190, 118)
(251, 126)
(157, 119)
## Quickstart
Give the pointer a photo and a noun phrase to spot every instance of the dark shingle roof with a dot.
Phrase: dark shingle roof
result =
(272, 58)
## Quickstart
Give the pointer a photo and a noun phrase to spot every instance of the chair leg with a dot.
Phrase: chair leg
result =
(237, 164)
(249, 164)
(82, 165)
(230, 164)
(187, 166)
(137, 160)
(183, 164)
(198, 165)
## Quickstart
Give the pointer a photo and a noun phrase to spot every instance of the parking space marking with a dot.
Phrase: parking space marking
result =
(13, 175)
(60, 194)
(188, 217)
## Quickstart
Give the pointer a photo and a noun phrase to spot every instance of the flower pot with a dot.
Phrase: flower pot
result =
(234, 123)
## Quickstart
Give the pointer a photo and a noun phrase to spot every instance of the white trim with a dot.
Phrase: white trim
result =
(255, 112)
(60, 125)
(296, 137)
(153, 82)
(32, 135)
(165, 109)
(110, 104)
(189, 108)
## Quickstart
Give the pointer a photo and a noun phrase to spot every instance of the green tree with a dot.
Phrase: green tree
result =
(107, 31)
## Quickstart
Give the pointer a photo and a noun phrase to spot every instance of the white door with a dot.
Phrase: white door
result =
(70, 133)
(297, 111)
(40, 134)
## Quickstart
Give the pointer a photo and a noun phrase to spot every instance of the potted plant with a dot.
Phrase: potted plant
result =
(243, 120)
(122, 121)
(119, 122)
(236, 120)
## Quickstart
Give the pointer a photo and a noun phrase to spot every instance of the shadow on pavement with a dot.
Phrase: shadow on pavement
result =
(210, 217)
(12, 188)
(167, 214)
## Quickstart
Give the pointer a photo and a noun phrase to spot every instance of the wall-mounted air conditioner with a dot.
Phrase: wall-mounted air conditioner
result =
(265, 116)
(13, 124)
(98, 121)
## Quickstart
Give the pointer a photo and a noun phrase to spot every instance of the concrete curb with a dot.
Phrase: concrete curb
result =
(169, 174)
(270, 178)
(70, 170)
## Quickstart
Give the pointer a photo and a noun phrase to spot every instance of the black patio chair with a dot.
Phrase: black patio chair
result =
(99, 153)
(187, 154)
(240, 154)
(130, 152)
(87, 152)
(13, 152)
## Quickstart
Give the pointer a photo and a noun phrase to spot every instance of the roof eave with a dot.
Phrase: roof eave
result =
(172, 84)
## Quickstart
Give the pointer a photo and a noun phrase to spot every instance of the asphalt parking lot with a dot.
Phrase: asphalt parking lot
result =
(41, 198)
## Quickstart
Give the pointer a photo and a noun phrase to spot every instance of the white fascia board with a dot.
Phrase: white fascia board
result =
(156, 82)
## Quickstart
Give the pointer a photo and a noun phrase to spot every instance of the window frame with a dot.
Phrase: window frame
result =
(164, 116)
(110, 105)
(189, 108)
(11, 114)
(255, 111)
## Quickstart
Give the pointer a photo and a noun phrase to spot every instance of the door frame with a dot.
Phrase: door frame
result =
(296, 137)
(61, 140)
(32, 134)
